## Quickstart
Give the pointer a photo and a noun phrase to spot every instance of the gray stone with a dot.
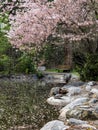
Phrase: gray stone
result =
(67, 77)
(70, 90)
(63, 91)
(94, 91)
(49, 77)
(66, 87)
(55, 125)
(83, 113)
(76, 102)
(93, 101)
(41, 68)
(74, 90)
(91, 83)
(88, 87)
(88, 127)
(58, 96)
(54, 91)
(77, 84)
(73, 121)
(61, 101)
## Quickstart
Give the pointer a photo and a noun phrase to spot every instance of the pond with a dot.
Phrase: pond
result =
(24, 104)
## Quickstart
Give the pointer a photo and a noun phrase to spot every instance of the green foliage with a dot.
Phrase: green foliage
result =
(12, 60)
(5, 64)
(89, 69)
(39, 74)
(4, 44)
(53, 70)
(96, 16)
(25, 64)
(56, 70)
(53, 55)
(4, 22)
(5, 60)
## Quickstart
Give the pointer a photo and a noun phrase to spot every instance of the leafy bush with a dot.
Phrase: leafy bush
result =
(53, 55)
(89, 69)
(5, 64)
(25, 64)
(4, 44)
(5, 60)
(12, 60)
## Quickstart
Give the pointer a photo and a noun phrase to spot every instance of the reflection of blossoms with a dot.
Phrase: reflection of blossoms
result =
(37, 20)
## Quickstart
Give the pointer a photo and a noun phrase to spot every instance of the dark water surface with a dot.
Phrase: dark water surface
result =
(24, 104)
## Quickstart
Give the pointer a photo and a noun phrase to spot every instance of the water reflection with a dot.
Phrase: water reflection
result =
(24, 104)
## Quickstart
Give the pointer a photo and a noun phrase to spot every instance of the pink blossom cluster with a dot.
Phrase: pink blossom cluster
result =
(31, 26)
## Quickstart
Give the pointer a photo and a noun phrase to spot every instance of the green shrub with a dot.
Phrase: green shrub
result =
(5, 64)
(39, 74)
(25, 64)
(53, 55)
(89, 69)
(12, 60)
(4, 44)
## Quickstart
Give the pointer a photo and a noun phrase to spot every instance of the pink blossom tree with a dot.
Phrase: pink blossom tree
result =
(35, 21)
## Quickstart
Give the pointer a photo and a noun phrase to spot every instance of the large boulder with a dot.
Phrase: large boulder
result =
(83, 113)
(72, 105)
(74, 91)
(70, 90)
(59, 101)
(55, 125)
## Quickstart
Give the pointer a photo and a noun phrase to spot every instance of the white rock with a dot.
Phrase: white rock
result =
(88, 126)
(76, 102)
(42, 68)
(77, 83)
(74, 90)
(94, 91)
(91, 83)
(88, 87)
(59, 102)
(71, 105)
(55, 125)
(67, 86)
(73, 121)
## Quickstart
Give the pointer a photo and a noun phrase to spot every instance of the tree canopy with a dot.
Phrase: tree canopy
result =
(35, 21)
